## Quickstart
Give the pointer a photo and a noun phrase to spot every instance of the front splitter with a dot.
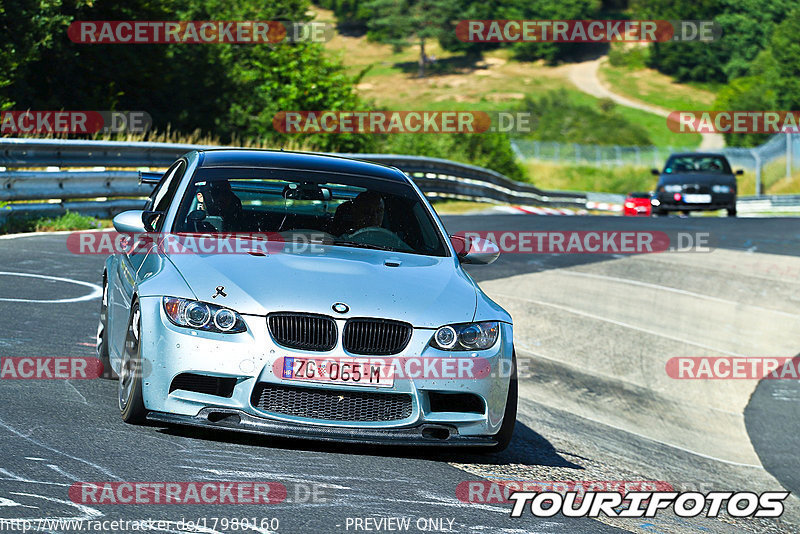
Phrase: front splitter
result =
(238, 421)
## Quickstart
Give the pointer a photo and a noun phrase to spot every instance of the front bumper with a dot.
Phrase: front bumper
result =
(667, 202)
(250, 359)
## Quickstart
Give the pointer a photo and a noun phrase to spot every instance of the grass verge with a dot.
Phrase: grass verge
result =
(21, 223)
(652, 87)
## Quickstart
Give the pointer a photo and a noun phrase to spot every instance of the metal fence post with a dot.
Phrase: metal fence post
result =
(756, 157)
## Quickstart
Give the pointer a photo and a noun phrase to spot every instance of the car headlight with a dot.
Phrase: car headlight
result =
(203, 316)
(467, 336)
(672, 188)
(721, 188)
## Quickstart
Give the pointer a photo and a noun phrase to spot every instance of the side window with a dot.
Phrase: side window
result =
(161, 197)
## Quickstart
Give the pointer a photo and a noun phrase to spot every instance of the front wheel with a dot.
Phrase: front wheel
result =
(506, 431)
(131, 402)
(732, 212)
(102, 335)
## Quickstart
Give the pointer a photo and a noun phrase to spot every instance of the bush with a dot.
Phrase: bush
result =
(632, 57)
(558, 119)
(490, 150)
(20, 223)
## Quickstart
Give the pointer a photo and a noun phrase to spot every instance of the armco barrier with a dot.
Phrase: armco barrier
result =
(437, 177)
(106, 192)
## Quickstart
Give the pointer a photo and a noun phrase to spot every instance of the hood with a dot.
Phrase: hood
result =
(697, 178)
(422, 290)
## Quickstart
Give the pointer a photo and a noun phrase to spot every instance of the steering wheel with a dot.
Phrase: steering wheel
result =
(382, 235)
(197, 219)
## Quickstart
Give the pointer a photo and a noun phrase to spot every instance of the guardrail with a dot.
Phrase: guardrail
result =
(768, 203)
(106, 192)
(438, 178)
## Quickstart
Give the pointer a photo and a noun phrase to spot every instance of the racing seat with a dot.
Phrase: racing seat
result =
(342, 222)
(221, 203)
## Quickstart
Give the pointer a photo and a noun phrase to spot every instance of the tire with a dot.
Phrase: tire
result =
(659, 213)
(131, 402)
(506, 431)
(102, 336)
(732, 212)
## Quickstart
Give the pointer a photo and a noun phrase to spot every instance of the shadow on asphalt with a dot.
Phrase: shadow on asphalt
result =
(526, 448)
(771, 418)
(768, 235)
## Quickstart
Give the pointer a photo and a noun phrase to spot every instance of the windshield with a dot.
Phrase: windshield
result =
(701, 164)
(340, 210)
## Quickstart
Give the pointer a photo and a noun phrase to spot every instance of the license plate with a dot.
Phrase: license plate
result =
(353, 372)
(697, 199)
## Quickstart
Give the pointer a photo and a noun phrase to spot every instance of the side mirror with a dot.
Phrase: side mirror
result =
(655, 172)
(129, 222)
(474, 250)
(739, 172)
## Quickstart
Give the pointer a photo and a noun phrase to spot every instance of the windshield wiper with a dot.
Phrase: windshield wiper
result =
(345, 243)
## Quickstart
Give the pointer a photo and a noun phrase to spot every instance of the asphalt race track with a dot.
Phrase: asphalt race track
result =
(596, 330)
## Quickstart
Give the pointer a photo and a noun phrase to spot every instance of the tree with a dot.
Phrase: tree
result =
(746, 28)
(772, 81)
(28, 27)
(783, 72)
(406, 22)
(230, 91)
(552, 10)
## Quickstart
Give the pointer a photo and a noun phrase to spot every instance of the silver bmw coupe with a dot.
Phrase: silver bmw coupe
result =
(304, 296)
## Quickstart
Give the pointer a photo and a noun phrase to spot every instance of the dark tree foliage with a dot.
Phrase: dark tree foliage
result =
(553, 10)
(227, 90)
(772, 81)
(224, 90)
(404, 23)
(746, 29)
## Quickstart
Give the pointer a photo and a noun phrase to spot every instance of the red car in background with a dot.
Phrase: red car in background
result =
(637, 204)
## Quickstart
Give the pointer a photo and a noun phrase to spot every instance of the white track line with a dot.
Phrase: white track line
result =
(673, 290)
(648, 438)
(618, 323)
(96, 293)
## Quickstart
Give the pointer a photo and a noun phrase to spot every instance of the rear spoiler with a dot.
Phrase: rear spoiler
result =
(150, 177)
